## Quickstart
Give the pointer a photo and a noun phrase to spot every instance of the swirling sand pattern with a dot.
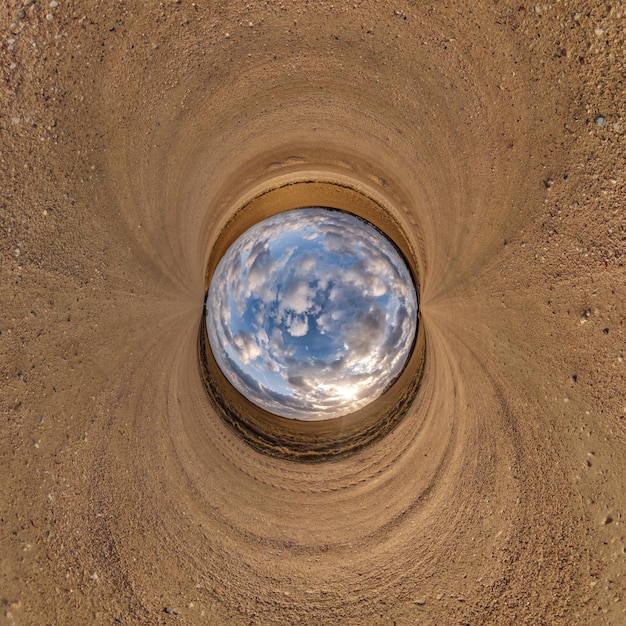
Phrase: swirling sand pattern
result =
(129, 134)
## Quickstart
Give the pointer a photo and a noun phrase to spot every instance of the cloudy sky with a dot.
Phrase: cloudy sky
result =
(311, 314)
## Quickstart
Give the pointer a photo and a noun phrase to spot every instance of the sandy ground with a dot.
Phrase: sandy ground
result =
(128, 129)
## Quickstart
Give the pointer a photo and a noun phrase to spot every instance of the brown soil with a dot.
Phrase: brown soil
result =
(129, 130)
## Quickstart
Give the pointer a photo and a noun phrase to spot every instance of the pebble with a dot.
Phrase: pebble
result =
(600, 121)
(50, 17)
(54, 4)
(21, 15)
(420, 601)
(170, 611)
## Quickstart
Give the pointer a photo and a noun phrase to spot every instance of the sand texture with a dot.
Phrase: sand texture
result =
(128, 132)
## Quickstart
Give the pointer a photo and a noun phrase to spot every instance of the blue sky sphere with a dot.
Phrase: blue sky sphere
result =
(311, 314)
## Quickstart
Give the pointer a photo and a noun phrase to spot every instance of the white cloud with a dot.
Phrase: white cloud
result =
(247, 347)
(297, 297)
(299, 326)
(305, 266)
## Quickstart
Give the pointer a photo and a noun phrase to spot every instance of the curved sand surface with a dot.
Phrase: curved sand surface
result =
(129, 134)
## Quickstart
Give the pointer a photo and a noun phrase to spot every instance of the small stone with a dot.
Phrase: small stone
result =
(170, 611)
(50, 17)
(607, 520)
(420, 601)
(53, 4)
(600, 121)
(227, 35)
(93, 576)
(548, 183)
(27, 3)
(21, 15)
